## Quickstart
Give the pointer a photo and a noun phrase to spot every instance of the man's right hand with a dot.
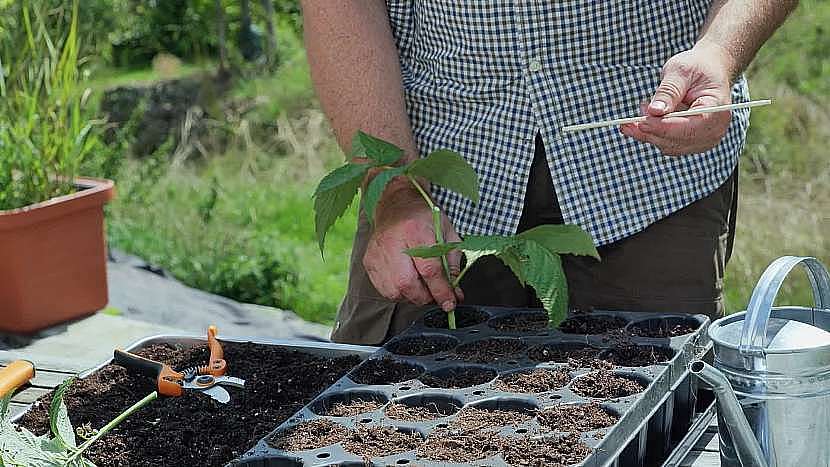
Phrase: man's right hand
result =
(403, 220)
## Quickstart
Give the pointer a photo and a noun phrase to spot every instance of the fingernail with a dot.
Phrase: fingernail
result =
(659, 106)
(448, 306)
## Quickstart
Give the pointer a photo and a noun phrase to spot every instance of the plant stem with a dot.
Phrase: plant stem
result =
(439, 239)
(109, 426)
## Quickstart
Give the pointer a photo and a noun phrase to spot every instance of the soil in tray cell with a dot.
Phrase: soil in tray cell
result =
(565, 450)
(576, 417)
(194, 429)
(313, 434)
(664, 327)
(489, 350)
(421, 345)
(464, 318)
(349, 404)
(459, 446)
(520, 322)
(381, 441)
(605, 385)
(487, 416)
(384, 371)
(638, 355)
(422, 408)
(588, 324)
(458, 377)
(533, 381)
(575, 355)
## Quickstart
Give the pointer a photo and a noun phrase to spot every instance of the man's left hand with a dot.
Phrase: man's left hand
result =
(699, 77)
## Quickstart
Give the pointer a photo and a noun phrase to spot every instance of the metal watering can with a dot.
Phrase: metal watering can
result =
(772, 375)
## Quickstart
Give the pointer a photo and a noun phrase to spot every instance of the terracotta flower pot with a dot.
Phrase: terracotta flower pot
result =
(53, 259)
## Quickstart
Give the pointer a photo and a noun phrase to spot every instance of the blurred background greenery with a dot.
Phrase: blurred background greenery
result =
(216, 142)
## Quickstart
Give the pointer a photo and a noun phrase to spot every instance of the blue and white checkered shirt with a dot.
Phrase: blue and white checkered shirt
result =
(483, 77)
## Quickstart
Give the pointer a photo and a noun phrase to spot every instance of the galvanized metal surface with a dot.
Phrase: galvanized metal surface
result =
(22, 404)
(642, 436)
(784, 391)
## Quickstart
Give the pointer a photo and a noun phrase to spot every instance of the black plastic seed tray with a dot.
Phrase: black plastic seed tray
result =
(427, 357)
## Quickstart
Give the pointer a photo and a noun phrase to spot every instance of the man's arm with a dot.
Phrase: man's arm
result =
(356, 73)
(703, 76)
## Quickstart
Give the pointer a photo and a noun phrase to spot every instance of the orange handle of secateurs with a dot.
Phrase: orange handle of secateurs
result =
(217, 365)
(16, 374)
(167, 379)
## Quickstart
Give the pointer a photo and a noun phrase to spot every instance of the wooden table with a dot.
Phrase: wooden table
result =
(44, 381)
(704, 453)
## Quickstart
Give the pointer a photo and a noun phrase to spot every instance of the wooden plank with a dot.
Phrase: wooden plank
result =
(708, 442)
(16, 408)
(702, 459)
(29, 395)
(49, 379)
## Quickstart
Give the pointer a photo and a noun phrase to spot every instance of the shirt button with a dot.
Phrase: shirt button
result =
(534, 65)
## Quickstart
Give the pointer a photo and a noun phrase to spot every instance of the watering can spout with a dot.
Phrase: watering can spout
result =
(747, 448)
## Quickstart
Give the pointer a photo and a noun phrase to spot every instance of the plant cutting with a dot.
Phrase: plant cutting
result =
(533, 256)
(51, 220)
(20, 447)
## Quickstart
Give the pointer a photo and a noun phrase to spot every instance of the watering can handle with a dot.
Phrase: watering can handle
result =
(760, 304)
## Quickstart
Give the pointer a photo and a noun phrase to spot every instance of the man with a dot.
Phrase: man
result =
(496, 80)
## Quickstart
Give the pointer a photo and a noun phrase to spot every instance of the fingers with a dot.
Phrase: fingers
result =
(683, 135)
(432, 274)
(673, 87)
(397, 276)
(392, 272)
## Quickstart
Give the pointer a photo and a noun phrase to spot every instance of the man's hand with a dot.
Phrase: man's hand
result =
(699, 77)
(404, 221)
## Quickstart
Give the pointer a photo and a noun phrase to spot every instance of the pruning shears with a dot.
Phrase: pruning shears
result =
(208, 379)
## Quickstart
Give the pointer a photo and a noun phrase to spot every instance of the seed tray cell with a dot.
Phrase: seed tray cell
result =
(465, 369)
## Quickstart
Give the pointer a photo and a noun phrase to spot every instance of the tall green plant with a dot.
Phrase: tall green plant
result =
(44, 133)
(532, 256)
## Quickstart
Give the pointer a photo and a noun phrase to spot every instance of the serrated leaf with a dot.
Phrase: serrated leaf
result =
(474, 255)
(380, 151)
(563, 239)
(486, 243)
(513, 259)
(342, 175)
(543, 271)
(375, 190)
(449, 170)
(59, 422)
(334, 195)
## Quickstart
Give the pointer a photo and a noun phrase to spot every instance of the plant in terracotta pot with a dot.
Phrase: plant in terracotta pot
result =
(52, 249)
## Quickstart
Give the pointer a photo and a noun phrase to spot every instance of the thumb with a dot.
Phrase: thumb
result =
(669, 94)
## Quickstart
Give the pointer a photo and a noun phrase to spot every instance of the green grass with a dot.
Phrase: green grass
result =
(241, 223)
(237, 227)
(105, 78)
(785, 183)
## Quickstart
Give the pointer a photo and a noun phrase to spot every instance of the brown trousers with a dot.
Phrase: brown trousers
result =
(674, 265)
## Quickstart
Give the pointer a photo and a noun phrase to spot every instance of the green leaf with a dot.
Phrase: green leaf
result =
(474, 255)
(375, 190)
(486, 243)
(378, 150)
(543, 271)
(344, 174)
(449, 170)
(59, 422)
(566, 239)
(432, 251)
(334, 195)
(513, 259)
